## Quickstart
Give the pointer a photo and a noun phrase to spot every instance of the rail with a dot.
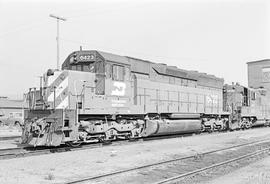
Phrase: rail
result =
(169, 180)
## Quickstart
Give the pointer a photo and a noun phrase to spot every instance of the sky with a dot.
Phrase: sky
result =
(212, 36)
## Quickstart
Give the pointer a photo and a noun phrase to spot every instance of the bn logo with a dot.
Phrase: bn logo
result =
(119, 88)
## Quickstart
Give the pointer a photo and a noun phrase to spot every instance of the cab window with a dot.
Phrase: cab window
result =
(108, 70)
(99, 67)
(127, 74)
(118, 72)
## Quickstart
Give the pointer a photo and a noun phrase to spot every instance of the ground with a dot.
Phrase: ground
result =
(67, 166)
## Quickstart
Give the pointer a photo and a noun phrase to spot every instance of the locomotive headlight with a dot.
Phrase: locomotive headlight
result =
(73, 58)
(50, 72)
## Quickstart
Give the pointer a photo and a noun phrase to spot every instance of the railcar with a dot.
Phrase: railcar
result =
(248, 107)
(99, 96)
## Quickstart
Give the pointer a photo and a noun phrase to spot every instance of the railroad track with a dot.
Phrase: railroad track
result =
(146, 170)
(175, 178)
(27, 151)
(9, 153)
(17, 152)
(9, 138)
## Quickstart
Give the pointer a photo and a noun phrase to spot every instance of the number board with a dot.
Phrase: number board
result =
(85, 57)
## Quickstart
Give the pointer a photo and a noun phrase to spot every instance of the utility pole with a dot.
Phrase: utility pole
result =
(57, 37)
(40, 87)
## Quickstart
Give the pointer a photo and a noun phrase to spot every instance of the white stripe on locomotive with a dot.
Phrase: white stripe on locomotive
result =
(59, 89)
(63, 104)
(53, 78)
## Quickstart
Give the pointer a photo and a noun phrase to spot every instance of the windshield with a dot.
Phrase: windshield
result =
(86, 67)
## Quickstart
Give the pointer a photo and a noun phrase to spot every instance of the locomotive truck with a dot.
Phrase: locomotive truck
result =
(99, 96)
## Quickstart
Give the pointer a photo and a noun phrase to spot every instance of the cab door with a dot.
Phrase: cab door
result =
(118, 77)
(100, 78)
(119, 88)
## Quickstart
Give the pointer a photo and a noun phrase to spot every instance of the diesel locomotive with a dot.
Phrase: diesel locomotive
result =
(99, 96)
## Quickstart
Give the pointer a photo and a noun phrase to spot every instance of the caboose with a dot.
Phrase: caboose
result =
(99, 96)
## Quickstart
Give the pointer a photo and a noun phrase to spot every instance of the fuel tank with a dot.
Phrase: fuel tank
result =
(259, 122)
(169, 126)
(184, 116)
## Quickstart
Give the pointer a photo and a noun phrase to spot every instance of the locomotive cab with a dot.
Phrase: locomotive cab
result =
(88, 61)
(112, 85)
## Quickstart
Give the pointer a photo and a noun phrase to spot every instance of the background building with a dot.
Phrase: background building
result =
(259, 74)
(11, 111)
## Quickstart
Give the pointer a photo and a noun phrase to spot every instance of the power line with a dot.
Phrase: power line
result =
(57, 37)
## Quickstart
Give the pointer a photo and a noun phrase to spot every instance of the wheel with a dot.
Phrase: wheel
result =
(103, 141)
(247, 125)
(73, 144)
(17, 123)
(107, 142)
(131, 139)
(203, 128)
